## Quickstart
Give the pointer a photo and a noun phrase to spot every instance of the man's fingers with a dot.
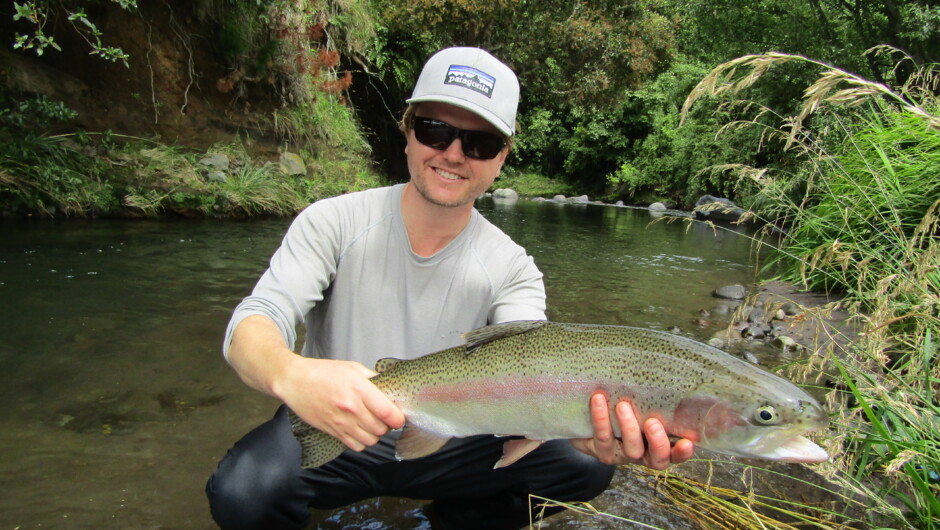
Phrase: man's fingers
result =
(381, 412)
(660, 449)
(682, 451)
(633, 444)
(600, 419)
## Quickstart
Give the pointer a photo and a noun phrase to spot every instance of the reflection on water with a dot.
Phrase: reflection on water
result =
(117, 404)
(609, 265)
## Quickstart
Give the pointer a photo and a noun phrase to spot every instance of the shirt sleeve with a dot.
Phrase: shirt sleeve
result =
(301, 270)
(522, 294)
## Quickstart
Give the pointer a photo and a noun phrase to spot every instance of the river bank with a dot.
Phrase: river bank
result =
(108, 176)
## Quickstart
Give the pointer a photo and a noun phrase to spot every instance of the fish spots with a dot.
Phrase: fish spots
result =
(540, 381)
(506, 389)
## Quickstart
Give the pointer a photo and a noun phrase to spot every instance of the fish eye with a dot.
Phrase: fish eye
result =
(766, 415)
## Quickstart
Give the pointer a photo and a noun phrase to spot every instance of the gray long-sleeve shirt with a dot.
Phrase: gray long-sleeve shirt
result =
(346, 270)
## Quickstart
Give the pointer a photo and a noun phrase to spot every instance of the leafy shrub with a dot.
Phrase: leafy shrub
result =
(867, 224)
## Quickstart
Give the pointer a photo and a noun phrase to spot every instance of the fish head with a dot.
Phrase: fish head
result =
(765, 421)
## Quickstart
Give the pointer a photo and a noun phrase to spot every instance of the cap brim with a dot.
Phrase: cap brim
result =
(503, 127)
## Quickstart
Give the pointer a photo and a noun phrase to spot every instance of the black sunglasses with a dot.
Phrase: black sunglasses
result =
(439, 135)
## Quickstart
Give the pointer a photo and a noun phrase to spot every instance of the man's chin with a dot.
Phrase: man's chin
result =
(446, 200)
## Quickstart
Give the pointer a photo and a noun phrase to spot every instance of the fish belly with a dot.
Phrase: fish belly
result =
(540, 410)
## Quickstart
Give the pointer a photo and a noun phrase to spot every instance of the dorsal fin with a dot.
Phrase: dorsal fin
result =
(485, 335)
(384, 364)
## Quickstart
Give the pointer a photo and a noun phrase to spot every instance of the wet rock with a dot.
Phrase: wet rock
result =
(754, 331)
(757, 315)
(559, 198)
(216, 176)
(786, 343)
(292, 164)
(731, 292)
(658, 206)
(726, 335)
(582, 199)
(712, 208)
(216, 161)
(778, 328)
(725, 309)
(716, 342)
(506, 194)
(785, 319)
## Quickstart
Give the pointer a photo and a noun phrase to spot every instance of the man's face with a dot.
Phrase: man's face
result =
(449, 177)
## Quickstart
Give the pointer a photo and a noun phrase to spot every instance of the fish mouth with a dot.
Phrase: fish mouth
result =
(798, 449)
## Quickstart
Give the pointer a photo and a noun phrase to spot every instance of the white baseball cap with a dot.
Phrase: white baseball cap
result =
(472, 79)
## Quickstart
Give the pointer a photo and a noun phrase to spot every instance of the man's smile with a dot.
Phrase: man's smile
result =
(447, 174)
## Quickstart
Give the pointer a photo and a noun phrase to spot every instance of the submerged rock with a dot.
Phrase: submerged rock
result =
(731, 292)
(712, 208)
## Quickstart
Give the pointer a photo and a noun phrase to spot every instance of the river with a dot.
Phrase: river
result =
(117, 404)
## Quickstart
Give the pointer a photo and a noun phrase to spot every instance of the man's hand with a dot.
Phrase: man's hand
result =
(333, 396)
(657, 452)
(338, 398)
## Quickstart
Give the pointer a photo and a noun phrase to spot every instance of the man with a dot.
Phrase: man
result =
(401, 272)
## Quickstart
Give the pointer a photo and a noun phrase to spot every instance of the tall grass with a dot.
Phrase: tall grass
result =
(734, 496)
(255, 190)
(46, 174)
(862, 217)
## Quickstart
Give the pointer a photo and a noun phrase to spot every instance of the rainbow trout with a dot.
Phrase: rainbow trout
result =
(534, 379)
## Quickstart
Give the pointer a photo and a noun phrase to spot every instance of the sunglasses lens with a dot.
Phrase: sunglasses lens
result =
(435, 134)
(481, 145)
(439, 135)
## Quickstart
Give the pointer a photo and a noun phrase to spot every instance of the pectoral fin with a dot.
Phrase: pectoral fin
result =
(415, 443)
(513, 450)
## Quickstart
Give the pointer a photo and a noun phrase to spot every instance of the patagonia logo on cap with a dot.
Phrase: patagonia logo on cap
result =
(471, 78)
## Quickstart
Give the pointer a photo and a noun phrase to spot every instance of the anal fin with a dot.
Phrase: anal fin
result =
(513, 450)
(415, 443)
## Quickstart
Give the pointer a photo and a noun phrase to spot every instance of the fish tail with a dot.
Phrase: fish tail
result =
(316, 447)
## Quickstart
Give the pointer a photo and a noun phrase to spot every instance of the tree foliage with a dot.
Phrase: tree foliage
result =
(835, 31)
(575, 62)
(581, 52)
(602, 80)
(37, 13)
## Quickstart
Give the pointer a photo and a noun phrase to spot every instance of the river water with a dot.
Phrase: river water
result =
(117, 404)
